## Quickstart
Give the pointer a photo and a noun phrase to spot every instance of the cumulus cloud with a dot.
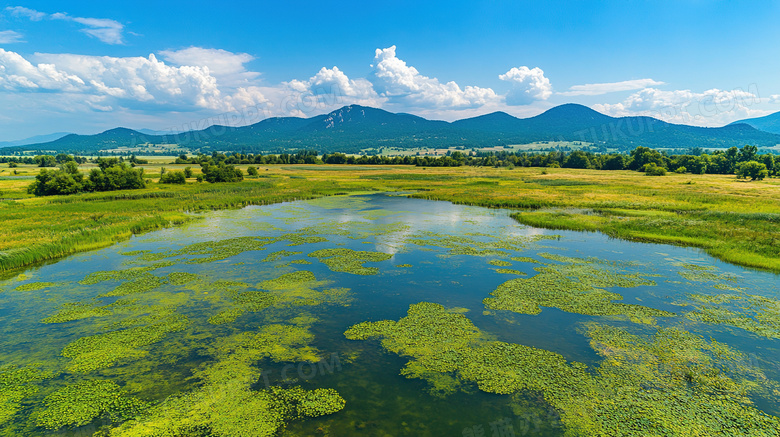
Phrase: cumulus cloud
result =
(106, 30)
(131, 82)
(595, 89)
(774, 98)
(10, 37)
(331, 87)
(709, 108)
(227, 66)
(528, 85)
(401, 83)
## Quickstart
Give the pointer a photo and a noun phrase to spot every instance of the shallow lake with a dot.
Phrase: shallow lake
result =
(536, 331)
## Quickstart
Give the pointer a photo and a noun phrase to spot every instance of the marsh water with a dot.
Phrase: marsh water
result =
(437, 252)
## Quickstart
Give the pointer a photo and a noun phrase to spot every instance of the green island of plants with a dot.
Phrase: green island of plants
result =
(212, 250)
(757, 314)
(350, 261)
(78, 404)
(575, 288)
(35, 286)
(104, 350)
(16, 384)
(669, 383)
(226, 406)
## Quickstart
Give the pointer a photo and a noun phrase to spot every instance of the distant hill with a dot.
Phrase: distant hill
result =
(769, 123)
(354, 128)
(33, 140)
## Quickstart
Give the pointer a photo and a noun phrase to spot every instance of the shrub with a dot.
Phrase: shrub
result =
(173, 177)
(251, 171)
(188, 172)
(681, 170)
(653, 170)
(753, 170)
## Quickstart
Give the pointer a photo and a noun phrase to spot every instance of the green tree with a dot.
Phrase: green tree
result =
(188, 172)
(173, 177)
(753, 170)
(251, 171)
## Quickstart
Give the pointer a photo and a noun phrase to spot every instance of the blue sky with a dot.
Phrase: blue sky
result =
(89, 66)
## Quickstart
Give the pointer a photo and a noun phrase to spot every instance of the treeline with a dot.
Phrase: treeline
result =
(110, 175)
(651, 161)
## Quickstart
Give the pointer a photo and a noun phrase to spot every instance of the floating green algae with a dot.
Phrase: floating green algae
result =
(289, 280)
(80, 403)
(295, 289)
(404, 266)
(122, 275)
(16, 384)
(183, 278)
(69, 312)
(209, 251)
(524, 259)
(141, 284)
(350, 261)
(673, 383)
(757, 314)
(225, 405)
(552, 288)
(35, 286)
(499, 263)
(276, 256)
(104, 350)
(699, 273)
(511, 272)
(562, 258)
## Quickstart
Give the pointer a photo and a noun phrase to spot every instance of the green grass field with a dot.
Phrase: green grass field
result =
(733, 220)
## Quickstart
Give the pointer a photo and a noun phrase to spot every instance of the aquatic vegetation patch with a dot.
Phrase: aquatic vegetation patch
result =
(35, 286)
(209, 251)
(276, 256)
(350, 261)
(499, 263)
(183, 278)
(78, 404)
(16, 384)
(404, 266)
(69, 312)
(290, 280)
(552, 288)
(524, 259)
(672, 383)
(104, 350)
(226, 406)
(511, 272)
(757, 314)
(117, 275)
(699, 273)
(144, 282)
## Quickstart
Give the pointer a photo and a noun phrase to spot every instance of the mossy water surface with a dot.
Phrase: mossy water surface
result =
(235, 326)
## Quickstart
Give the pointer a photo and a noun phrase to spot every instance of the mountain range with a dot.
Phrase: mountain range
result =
(354, 128)
(768, 123)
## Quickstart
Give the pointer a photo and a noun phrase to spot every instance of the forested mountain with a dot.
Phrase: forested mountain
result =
(354, 128)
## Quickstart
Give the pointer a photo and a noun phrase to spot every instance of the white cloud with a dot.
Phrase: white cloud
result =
(132, 82)
(403, 84)
(10, 37)
(774, 98)
(713, 107)
(331, 88)
(20, 11)
(528, 85)
(226, 66)
(595, 89)
(106, 30)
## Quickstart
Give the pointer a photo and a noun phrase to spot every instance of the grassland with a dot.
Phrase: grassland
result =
(733, 220)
